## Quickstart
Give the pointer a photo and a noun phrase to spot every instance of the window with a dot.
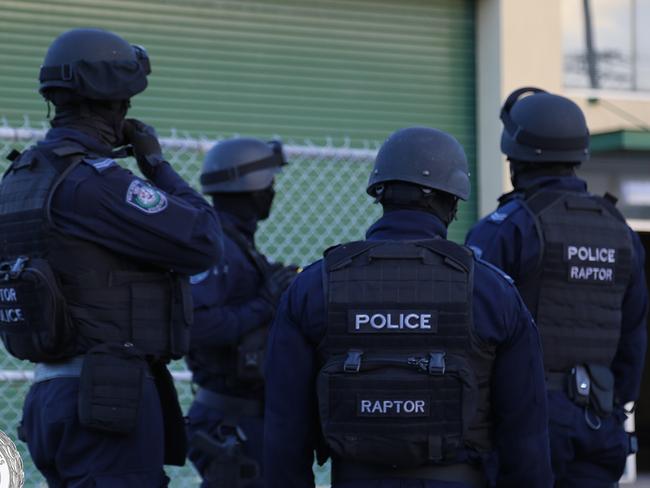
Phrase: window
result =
(620, 41)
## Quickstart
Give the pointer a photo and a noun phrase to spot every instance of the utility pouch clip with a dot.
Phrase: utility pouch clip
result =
(111, 388)
(579, 385)
(602, 389)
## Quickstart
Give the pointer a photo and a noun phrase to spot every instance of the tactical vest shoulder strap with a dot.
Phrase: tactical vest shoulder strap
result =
(535, 203)
(20, 160)
(510, 196)
(64, 170)
(342, 255)
(540, 200)
(455, 254)
(259, 261)
(13, 155)
(608, 201)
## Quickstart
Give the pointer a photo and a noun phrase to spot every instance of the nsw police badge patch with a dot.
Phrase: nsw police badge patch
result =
(145, 197)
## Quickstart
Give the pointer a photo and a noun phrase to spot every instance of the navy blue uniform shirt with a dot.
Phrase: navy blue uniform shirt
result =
(172, 227)
(507, 238)
(226, 306)
(518, 391)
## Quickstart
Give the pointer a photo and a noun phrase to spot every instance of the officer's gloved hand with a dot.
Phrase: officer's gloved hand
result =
(276, 282)
(146, 148)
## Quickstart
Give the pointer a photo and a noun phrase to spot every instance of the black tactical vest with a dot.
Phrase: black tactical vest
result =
(65, 295)
(576, 295)
(403, 381)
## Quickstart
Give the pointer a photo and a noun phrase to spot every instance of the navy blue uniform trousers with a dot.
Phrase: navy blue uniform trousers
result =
(72, 456)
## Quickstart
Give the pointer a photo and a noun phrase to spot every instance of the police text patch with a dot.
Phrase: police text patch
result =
(370, 406)
(392, 321)
(145, 197)
(590, 264)
(10, 310)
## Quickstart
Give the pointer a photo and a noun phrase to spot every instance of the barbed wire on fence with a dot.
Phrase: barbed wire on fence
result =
(320, 201)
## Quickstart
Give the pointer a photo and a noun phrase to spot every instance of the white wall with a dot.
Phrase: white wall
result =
(519, 43)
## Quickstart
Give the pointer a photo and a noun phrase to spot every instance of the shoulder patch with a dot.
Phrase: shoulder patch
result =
(145, 197)
(100, 164)
(503, 212)
(496, 269)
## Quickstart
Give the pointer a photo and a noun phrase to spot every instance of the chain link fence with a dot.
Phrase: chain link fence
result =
(320, 201)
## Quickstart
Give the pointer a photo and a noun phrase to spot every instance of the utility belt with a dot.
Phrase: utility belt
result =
(465, 474)
(587, 385)
(111, 388)
(70, 368)
(229, 405)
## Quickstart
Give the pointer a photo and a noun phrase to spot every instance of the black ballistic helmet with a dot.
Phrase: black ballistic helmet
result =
(423, 156)
(241, 165)
(543, 127)
(94, 64)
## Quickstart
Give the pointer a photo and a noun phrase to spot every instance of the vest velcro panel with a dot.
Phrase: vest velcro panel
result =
(24, 193)
(93, 295)
(579, 289)
(120, 302)
(399, 383)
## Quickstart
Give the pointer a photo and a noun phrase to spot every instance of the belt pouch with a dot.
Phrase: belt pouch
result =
(601, 396)
(111, 388)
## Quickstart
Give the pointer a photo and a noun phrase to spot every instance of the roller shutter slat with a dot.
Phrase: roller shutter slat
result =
(354, 69)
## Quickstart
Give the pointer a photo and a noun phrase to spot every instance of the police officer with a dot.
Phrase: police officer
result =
(94, 270)
(579, 268)
(403, 357)
(234, 306)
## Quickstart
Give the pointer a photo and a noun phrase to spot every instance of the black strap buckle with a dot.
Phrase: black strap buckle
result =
(18, 266)
(437, 363)
(11, 270)
(66, 72)
(13, 155)
(352, 363)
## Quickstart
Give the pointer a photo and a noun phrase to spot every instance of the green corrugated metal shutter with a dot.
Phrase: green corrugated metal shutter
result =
(299, 69)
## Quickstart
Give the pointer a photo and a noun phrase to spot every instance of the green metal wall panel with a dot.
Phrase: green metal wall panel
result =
(298, 69)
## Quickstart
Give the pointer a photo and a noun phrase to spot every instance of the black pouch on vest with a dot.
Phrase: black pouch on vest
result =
(34, 323)
(111, 388)
(250, 355)
(397, 410)
(601, 397)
